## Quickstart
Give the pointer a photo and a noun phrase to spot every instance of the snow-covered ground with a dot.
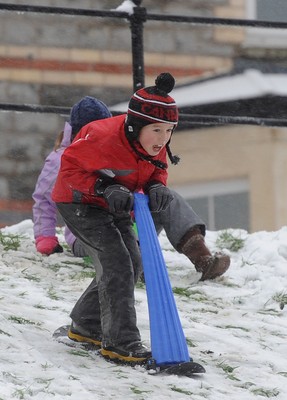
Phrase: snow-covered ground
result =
(236, 326)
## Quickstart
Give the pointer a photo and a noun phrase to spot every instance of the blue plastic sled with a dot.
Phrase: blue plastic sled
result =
(168, 343)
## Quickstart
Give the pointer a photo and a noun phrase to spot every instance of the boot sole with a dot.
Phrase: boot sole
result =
(76, 337)
(214, 266)
(118, 358)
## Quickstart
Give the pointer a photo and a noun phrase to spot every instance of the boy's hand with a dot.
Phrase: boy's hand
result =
(119, 198)
(159, 197)
(48, 245)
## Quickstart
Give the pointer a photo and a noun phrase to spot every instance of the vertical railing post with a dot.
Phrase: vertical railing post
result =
(137, 20)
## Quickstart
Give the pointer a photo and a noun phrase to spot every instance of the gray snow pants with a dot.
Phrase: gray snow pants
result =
(176, 220)
(107, 306)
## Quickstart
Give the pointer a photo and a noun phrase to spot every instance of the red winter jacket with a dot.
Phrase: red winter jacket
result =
(102, 145)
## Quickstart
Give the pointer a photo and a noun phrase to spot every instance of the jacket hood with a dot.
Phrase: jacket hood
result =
(66, 141)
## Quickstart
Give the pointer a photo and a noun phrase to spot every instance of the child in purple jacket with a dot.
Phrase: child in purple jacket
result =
(88, 109)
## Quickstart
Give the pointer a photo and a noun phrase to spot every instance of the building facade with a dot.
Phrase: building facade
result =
(56, 59)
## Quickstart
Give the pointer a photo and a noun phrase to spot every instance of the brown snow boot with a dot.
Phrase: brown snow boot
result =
(193, 246)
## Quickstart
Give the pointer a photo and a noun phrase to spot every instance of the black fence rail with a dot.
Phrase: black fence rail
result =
(137, 20)
(185, 120)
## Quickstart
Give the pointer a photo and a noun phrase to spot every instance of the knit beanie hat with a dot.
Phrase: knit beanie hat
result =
(151, 105)
(88, 109)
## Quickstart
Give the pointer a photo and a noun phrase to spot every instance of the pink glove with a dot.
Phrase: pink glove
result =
(48, 245)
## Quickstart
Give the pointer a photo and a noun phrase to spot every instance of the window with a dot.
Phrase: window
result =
(277, 11)
(221, 204)
(266, 10)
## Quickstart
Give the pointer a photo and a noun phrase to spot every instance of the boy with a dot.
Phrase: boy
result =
(108, 161)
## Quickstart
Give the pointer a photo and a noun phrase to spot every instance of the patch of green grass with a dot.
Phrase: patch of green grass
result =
(233, 327)
(179, 390)
(229, 370)
(278, 334)
(33, 278)
(226, 368)
(41, 307)
(46, 366)
(266, 392)
(79, 352)
(10, 241)
(53, 294)
(4, 333)
(206, 310)
(85, 262)
(181, 291)
(136, 390)
(45, 382)
(190, 343)
(246, 385)
(196, 295)
(21, 393)
(56, 267)
(269, 311)
(281, 298)
(84, 275)
(226, 240)
(23, 321)
(140, 285)
(88, 262)
(73, 378)
(22, 294)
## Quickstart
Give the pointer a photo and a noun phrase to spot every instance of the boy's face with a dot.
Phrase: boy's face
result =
(154, 137)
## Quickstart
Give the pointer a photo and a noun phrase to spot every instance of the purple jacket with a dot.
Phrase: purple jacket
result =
(44, 209)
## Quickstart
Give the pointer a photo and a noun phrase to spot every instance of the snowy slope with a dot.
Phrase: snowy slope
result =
(236, 326)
